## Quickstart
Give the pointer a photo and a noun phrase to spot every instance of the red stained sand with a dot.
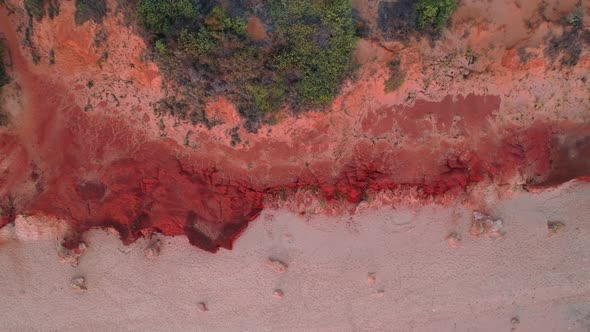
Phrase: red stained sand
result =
(96, 172)
(92, 170)
(90, 173)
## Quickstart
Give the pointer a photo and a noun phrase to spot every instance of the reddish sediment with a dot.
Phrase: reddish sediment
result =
(96, 172)
(93, 170)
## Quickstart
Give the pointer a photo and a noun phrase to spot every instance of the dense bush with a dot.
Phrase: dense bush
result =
(163, 16)
(35, 9)
(397, 76)
(302, 62)
(316, 40)
(87, 10)
(4, 79)
(569, 45)
(434, 15)
(404, 19)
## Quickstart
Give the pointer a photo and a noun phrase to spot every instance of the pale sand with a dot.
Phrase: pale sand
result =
(526, 281)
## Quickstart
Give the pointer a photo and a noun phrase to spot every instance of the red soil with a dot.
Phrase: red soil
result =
(93, 170)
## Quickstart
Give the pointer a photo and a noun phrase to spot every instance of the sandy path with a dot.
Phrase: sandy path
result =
(426, 284)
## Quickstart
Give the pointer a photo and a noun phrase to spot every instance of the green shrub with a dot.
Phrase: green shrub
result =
(35, 8)
(434, 15)
(318, 40)
(161, 16)
(396, 78)
(87, 10)
(4, 79)
(266, 98)
(303, 63)
(4, 119)
(161, 47)
(569, 45)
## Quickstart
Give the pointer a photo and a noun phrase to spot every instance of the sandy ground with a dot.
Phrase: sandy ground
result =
(527, 280)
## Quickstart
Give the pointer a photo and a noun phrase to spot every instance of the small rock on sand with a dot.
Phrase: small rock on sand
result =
(78, 284)
(554, 227)
(484, 224)
(378, 293)
(202, 307)
(71, 256)
(371, 278)
(514, 322)
(153, 249)
(279, 294)
(276, 265)
(454, 239)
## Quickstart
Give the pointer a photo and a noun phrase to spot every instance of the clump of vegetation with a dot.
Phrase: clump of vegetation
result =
(206, 49)
(164, 18)
(87, 10)
(434, 15)
(397, 76)
(53, 8)
(404, 19)
(568, 46)
(4, 119)
(4, 79)
(317, 39)
(35, 9)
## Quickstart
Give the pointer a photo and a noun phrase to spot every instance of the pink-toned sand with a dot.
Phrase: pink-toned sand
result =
(527, 280)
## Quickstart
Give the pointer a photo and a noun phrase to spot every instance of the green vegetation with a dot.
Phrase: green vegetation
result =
(318, 39)
(568, 46)
(4, 79)
(35, 9)
(4, 119)
(434, 15)
(161, 16)
(302, 63)
(397, 76)
(87, 10)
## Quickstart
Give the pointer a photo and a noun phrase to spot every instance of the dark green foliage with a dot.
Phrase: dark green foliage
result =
(52, 57)
(4, 119)
(204, 47)
(397, 76)
(87, 10)
(53, 8)
(434, 15)
(163, 17)
(318, 38)
(264, 98)
(235, 136)
(35, 9)
(568, 46)
(403, 19)
(4, 79)
(397, 20)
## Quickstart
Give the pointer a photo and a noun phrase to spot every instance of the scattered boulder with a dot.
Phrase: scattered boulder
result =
(279, 294)
(152, 250)
(78, 284)
(454, 239)
(484, 224)
(371, 278)
(202, 307)
(71, 256)
(514, 321)
(276, 265)
(554, 227)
